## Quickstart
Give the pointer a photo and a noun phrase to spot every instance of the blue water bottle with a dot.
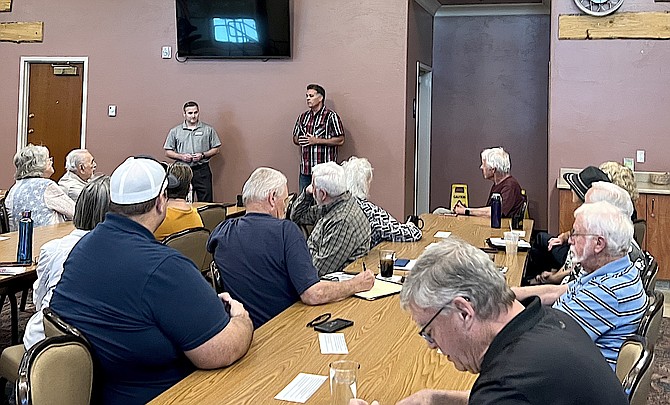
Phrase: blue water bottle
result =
(24, 253)
(496, 210)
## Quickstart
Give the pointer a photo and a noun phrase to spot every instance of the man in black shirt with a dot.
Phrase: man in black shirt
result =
(465, 308)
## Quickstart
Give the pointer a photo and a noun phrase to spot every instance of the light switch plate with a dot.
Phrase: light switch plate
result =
(640, 156)
(166, 52)
(111, 111)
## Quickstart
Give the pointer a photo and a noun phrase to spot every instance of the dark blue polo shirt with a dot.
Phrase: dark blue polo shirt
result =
(141, 305)
(264, 263)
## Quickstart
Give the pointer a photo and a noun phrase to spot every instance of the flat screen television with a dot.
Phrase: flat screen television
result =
(259, 29)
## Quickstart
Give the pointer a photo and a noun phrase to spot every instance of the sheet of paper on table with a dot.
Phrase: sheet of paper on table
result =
(301, 388)
(333, 343)
(337, 276)
(393, 279)
(10, 271)
(442, 234)
(500, 242)
(3, 238)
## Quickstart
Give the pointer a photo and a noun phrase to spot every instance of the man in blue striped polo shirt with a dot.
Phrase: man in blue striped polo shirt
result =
(607, 299)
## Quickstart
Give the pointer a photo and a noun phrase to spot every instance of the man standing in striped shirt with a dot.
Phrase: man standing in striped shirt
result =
(608, 298)
(318, 131)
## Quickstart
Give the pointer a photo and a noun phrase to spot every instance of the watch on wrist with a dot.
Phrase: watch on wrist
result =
(467, 212)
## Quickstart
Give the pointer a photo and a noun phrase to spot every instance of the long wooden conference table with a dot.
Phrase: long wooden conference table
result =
(395, 360)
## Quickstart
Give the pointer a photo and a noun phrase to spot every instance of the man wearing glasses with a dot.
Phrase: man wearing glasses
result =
(607, 299)
(466, 310)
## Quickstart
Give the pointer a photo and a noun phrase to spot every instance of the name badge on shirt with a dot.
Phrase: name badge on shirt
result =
(199, 133)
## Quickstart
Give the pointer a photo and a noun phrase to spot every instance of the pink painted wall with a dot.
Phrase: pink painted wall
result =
(356, 50)
(607, 98)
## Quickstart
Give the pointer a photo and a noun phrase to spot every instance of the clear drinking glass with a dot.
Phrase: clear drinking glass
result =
(343, 377)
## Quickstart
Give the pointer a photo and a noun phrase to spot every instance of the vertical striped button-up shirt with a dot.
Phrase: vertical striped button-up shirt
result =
(325, 124)
(608, 303)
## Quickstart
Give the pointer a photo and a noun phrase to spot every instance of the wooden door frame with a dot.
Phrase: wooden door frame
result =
(24, 89)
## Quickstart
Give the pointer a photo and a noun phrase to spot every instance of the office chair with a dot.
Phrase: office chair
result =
(639, 230)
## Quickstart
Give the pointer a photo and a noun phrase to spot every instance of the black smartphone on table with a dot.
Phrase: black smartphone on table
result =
(333, 326)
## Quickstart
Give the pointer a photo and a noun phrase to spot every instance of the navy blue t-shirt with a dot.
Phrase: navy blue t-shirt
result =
(264, 263)
(141, 304)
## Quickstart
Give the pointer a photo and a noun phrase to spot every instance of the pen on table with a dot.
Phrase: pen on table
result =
(364, 269)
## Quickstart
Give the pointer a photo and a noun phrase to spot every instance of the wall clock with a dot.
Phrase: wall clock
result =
(599, 8)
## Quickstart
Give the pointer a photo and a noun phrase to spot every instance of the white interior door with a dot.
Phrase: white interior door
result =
(424, 89)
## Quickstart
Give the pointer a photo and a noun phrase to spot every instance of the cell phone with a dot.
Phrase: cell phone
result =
(401, 262)
(333, 325)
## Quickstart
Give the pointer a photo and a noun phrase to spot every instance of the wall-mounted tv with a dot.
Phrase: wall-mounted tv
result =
(258, 29)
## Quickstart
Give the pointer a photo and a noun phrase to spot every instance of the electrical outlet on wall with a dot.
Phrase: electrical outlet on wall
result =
(111, 111)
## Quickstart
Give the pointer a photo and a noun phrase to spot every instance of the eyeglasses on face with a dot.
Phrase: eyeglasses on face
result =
(574, 234)
(424, 333)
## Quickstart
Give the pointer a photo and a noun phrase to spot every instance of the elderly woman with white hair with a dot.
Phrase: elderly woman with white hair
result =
(382, 224)
(34, 191)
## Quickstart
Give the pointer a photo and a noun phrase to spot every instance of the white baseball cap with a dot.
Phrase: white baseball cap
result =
(139, 179)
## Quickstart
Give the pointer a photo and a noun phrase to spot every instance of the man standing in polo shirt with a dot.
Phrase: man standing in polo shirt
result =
(150, 316)
(194, 143)
(263, 258)
(607, 299)
(318, 131)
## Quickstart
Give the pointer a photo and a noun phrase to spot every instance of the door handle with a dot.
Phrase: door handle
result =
(653, 203)
(31, 115)
(30, 130)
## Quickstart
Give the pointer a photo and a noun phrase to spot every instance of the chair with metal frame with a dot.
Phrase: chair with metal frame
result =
(650, 325)
(4, 217)
(57, 370)
(192, 243)
(212, 215)
(649, 274)
(215, 278)
(634, 367)
(639, 230)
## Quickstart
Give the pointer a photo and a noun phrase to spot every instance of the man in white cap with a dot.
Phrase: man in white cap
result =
(150, 316)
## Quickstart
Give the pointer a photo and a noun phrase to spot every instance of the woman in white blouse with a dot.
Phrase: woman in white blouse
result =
(92, 205)
(34, 191)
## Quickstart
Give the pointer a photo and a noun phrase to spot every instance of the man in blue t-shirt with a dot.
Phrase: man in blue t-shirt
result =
(264, 259)
(149, 315)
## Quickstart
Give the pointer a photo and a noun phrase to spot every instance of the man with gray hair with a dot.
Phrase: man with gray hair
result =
(464, 308)
(607, 299)
(264, 259)
(341, 231)
(80, 167)
(496, 167)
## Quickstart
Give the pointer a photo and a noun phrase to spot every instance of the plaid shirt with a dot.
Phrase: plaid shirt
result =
(384, 227)
(341, 233)
(325, 124)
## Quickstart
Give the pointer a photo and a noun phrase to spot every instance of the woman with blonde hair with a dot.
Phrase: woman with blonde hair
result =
(34, 191)
(623, 177)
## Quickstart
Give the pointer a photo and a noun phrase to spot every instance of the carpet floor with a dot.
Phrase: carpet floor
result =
(660, 381)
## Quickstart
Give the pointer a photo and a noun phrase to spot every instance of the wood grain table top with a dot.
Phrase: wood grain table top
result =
(395, 360)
